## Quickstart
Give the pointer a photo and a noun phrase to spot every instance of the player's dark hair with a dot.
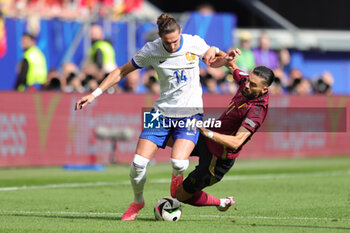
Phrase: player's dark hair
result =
(167, 24)
(264, 73)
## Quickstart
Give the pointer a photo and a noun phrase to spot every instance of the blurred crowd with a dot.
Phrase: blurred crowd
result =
(289, 79)
(101, 61)
(68, 9)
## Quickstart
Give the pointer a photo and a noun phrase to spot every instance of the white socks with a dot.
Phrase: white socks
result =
(179, 166)
(138, 176)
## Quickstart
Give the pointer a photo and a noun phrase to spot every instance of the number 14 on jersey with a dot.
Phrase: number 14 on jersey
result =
(180, 77)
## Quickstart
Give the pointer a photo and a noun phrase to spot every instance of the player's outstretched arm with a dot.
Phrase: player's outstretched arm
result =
(230, 141)
(113, 78)
(228, 60)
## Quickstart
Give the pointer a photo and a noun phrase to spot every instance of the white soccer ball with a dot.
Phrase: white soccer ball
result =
(168, 209)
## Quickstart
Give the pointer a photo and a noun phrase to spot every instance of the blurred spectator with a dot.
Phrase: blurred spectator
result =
(228, 85)
(233, 87)
(33, 71)
(72, 78)
(67, 70)
(218, 74)
(91, 77)
(53, 81)
(3, 40)
(206, 9)
(284, 61)
(124, 6)
(102, 52)
(276, 87)
(132, 83)
(74, 84)
(294, 74)
(246, 60)
(283, 79)
(38, 8)
(264, 55)
(33, 24)
(6, 6)
(153, 85)
(72, 9)
(302, 87)
(298, 85)
(211, 86)
(212, 78)
(150, 79)
(90, 83)
(323, 84)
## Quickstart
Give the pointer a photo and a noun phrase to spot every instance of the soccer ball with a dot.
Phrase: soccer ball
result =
(168, 209)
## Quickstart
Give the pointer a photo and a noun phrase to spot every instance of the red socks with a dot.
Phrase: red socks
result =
(202, 198)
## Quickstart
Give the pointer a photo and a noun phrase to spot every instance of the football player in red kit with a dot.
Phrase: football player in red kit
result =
(217, 148)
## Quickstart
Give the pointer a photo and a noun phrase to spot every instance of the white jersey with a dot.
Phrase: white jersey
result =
(178, 73)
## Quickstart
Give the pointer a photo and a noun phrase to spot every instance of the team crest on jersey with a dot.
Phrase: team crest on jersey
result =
(190, 56)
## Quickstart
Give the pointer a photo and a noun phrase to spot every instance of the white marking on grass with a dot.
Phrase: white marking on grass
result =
(109, 214)
(64, 185)
(162, 181)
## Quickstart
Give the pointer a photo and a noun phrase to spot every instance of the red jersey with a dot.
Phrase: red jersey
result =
(249, 113)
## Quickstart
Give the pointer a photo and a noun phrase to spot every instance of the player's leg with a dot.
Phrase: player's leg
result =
(201, 198)
(182, 149)
(144, 152)
(150, 140)
(185, 139)
(190, 191)
(209, 171)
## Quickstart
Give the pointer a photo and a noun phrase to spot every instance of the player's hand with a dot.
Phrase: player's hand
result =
(84, 101)
(234, 53)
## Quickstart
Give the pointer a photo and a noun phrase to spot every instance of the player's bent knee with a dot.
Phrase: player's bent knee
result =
(179, 165)
(138, 167)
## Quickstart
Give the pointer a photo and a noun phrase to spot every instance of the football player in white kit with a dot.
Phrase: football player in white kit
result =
(175, 57)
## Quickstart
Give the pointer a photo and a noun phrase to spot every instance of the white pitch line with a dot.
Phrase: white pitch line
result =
(288, 175)
(65, 185)
(14, 212)
(162, 181)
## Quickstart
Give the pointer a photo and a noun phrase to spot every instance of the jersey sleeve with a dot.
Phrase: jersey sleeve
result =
(142, 57)
(200, 46)
(240, 76)
(255, 117)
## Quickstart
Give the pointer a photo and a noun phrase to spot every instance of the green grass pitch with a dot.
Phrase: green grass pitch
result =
(272, 195)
